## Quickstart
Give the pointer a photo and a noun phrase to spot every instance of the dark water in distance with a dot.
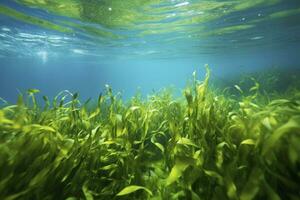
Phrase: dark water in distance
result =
(82, 45)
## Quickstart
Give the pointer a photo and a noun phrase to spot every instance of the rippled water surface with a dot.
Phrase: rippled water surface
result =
(139, 28)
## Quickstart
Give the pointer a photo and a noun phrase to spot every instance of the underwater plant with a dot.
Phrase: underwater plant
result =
(207, 145)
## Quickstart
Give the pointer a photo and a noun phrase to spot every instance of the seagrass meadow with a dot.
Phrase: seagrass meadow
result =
(238, 143)
(149, 100)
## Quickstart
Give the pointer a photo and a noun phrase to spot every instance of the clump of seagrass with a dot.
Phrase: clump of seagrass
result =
(210, 146)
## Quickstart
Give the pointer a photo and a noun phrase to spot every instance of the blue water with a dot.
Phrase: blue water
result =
(157, 46)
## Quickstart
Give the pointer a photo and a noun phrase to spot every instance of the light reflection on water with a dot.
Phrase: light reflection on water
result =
(151, 29)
